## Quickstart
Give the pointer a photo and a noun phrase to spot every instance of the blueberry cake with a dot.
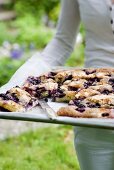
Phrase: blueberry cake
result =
(88, 92)
(17, 100)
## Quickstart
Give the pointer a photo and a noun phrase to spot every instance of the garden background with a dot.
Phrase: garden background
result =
(27, 27)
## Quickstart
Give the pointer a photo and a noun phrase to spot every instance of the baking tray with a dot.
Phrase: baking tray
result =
(38, 115)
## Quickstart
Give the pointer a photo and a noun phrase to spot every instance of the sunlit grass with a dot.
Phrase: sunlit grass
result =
(44, 149)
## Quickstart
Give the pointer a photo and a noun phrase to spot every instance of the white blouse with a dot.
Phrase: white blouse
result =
(98, 19)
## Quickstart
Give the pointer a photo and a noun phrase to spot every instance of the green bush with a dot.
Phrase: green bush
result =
(36, 8)
(30, 31)
(4, 34)
(54, 13)
(7, 68)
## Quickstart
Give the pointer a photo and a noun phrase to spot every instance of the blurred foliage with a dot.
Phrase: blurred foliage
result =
(54, 13)
(82, 31)
(4, 34)
(35, 7)
(30, 27)
(7, 68)
(43, 149)
(30, 31)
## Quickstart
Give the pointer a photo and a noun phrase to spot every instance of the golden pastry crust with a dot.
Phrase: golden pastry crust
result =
(70, 111)
(73, 85)
(23, 96)
(62, 75)
(78, 73)
(11, 106)
(84, 93)
(49, 85)
(102, 87)
(77, 84)
(67, 96)
(103, 100)
(17, 100)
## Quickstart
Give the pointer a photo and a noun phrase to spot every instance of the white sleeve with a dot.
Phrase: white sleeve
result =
(61, 46)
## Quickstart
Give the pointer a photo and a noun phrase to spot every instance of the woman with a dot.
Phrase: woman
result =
(94, 147)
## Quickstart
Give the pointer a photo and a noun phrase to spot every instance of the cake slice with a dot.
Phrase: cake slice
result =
(17, 100)
(71, 111)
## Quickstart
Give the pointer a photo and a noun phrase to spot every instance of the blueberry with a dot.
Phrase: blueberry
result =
(61, 95)
(105, 91)
(80, 109)
(78, 103)
(70, 88)
(86, 85)
(28, 90)
(105, 114)
(51, 75)
(93, 105)
(4, 96)
(91, 81)
(60, 91)
(34, 80)
(4, 110)
(111, 81)
(90, 72)
(14, 98)
(68, 77)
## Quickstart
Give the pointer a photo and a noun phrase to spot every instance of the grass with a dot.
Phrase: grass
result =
(44, 149)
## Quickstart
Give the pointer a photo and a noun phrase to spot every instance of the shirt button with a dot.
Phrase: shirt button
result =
(110, 8)
(111, 21)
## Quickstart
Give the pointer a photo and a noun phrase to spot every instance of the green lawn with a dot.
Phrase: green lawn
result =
(44, 149)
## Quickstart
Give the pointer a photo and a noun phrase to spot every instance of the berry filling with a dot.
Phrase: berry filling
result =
(3, 110)
(69, 77)
(105, 114)
(30, 104)
(51, 75)
(4, 96)
(91, 81)
(39, 92)
(93, 105)
(80, 109)
(89, 72)
(70, 88)
(111, 81)
(58, 93)
(34, 80)
(14, 97)
(9, 96)
(105, 91)
(30, 91)
(78, 103)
